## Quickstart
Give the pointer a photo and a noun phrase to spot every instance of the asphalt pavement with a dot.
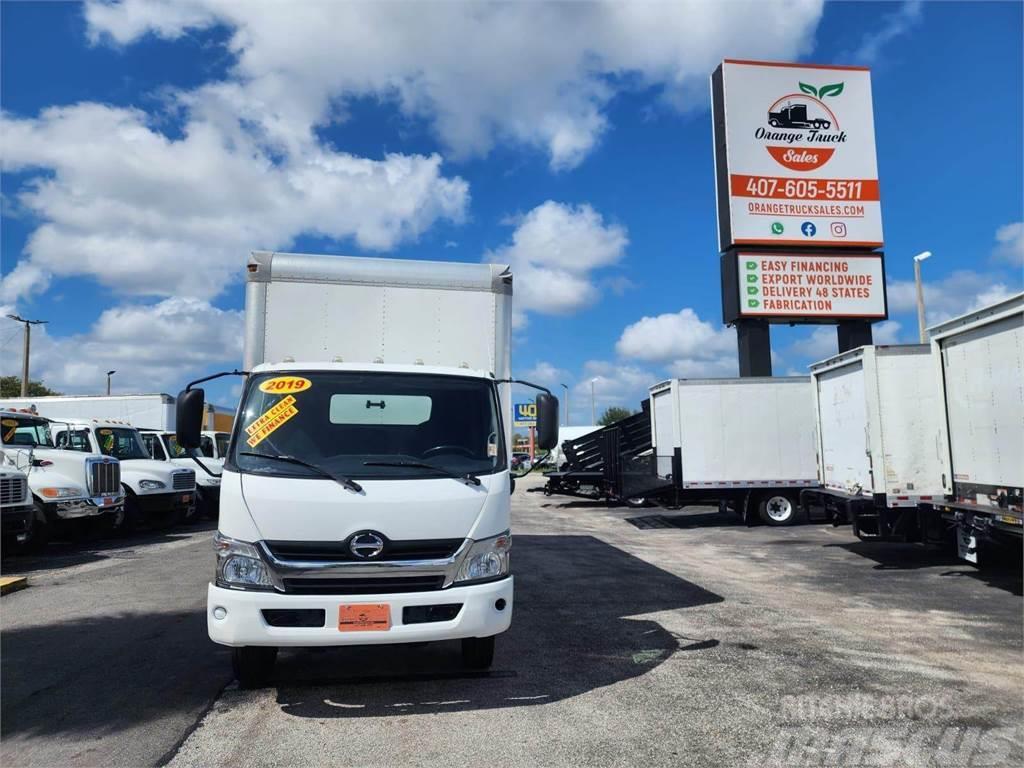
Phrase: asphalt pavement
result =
(640, 637)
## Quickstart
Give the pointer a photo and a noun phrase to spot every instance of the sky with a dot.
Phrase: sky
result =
(148, 146)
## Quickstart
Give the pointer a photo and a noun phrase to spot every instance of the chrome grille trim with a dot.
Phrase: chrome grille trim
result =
(296, 570)
(104, 477)
(183, 480)
(13, 491)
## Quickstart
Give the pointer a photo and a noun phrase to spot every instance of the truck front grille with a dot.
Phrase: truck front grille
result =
(184, 480)
(362, 586)
(13, 490)
(104, 478)
(334, 551)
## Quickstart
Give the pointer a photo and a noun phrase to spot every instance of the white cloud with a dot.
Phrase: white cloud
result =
(1010, 243)
(821, 342)
(894, 24)
(554, 249)
(150, 215)
(613, 384)
(675, 336)
(961, 291)
(152, 347)
(536, 74)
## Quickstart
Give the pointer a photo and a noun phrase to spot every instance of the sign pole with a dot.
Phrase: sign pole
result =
(754, 343)
(852, 334)
(531, 445)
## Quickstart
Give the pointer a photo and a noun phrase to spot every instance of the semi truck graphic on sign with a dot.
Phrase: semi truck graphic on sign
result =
(795, 116)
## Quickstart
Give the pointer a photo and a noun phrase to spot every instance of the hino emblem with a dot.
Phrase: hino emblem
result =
(366, 545)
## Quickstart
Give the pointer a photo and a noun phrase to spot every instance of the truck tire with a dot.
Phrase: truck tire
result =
(636, 503)
(253, 665)
(778, 509)
(478, 652)
(39, 530)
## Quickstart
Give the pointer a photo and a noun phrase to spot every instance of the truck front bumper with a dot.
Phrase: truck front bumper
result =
(245, 624)
(69, 510)
(159, 503)
(14, 521)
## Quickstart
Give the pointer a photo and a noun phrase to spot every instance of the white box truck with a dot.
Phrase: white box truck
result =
(153, 411)
(366, 492)
(879, 438)
(746, 443)
(978, 362)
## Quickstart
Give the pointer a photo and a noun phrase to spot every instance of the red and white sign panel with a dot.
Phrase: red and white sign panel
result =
(809, 285)
(795, 150)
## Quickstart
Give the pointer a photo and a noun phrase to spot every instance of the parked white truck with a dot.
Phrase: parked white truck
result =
(978, 361)
(154, 411)
(746, 444)
(65, 486)
(163, 446)
(15, 503)
(879, 421)
(155, 491)
(366, 494)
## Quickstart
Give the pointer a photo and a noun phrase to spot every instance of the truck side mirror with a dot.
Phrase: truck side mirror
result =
(189, 411)
(547, 421)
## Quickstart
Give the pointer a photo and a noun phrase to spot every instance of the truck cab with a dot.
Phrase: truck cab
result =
(64, 487)
(214, 444)
(164, 446)
(155, 491)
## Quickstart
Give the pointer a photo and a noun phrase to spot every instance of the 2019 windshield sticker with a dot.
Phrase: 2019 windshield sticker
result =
(280, 385)
(271, 419)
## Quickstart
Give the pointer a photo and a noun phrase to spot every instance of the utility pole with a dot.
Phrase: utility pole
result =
(109, 374)
(593, 412)
(566, 404)
(27, 346)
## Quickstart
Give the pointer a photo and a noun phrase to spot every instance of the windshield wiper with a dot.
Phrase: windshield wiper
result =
(352, 485)
(468, 477)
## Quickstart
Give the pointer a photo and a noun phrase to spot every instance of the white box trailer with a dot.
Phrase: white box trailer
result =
(746, 443)
(155, 411)
(879, 437)
(978, 361)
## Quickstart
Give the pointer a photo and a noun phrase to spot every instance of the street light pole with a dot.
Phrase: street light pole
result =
(921, 332)
(593, 412)
(27, 347)
(109, 374)
(566, 388)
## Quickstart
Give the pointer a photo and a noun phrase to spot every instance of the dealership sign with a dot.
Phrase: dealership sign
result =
(524, 414)
(805, 286)
(795, 155)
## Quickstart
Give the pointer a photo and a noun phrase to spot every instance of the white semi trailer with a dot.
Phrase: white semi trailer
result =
(746, 444)
(978, 361)
(366, 492)
(144, 411)
(879, 451)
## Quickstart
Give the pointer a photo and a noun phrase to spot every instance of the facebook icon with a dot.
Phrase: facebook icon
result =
(808, 229)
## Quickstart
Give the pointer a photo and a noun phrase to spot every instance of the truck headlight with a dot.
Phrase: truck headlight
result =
(151, 485)
(61, 493)
(239, 564)
(487, 559)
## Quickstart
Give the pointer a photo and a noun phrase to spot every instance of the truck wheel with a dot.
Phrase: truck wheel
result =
(253, 665)
(39, 530)
(636, 503)
(478, 652)
(777, 509)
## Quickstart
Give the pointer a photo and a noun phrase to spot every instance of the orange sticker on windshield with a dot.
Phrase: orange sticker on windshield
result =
(9, 422)
(261, 429)
(283, 385)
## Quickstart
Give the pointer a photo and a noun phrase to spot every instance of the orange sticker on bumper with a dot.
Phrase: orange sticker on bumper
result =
(364, 617)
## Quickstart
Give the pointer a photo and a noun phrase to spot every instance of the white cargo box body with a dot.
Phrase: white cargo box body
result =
(879, 416)
(732, 433)
(144, 411)
(359, 310)
(979, 361)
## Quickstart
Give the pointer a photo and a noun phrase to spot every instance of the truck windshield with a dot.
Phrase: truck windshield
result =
(25, 430)
(121, 443)
(346, 422)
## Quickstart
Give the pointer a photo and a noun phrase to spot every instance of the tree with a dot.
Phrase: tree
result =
(614, 413)
(10, 386)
